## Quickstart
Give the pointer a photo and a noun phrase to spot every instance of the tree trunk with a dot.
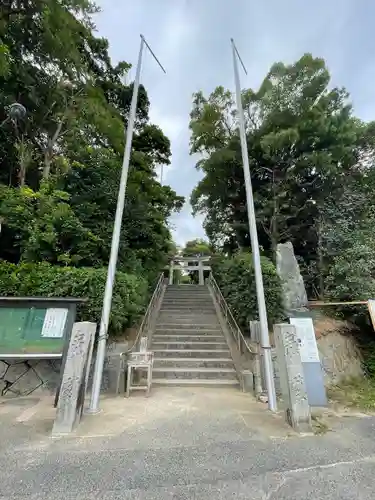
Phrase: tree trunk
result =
(47, 165)
(24, 158)
(48, 154)
(22, 174)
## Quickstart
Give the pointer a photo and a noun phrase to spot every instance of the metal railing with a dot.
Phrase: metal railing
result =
(242, 344)
(149, 317)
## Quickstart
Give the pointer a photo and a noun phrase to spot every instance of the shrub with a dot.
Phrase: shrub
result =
(235, 277)
(45, 280)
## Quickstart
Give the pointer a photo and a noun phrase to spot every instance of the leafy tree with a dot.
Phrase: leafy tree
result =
(60, 166)
(44, 280)
(197, 247)
(235, 277)
(348, 242)
(303, 145)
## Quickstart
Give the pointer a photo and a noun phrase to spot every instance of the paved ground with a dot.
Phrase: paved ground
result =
(182, 444)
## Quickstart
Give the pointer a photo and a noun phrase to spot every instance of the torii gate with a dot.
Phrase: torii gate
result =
(196, 263)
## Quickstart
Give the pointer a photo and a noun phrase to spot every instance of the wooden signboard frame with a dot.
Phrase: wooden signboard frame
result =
(36, 327)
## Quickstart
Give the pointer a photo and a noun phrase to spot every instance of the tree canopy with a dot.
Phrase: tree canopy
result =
(307, 151)
(60, 165)
(197, 247)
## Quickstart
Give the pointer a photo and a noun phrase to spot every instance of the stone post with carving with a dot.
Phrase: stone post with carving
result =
(297, 409)
(74, 379)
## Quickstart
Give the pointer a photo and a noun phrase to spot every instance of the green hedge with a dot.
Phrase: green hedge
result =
(235, 277)
(45, 280)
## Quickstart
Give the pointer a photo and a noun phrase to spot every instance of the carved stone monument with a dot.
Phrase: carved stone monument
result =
(295, 305)
(294, 292)
(297, 410)
(75, 377)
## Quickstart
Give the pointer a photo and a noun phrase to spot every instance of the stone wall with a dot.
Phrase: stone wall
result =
(22, 378)
(339, 354)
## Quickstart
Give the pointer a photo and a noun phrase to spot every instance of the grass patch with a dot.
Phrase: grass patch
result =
(319, 427)
(356, 393)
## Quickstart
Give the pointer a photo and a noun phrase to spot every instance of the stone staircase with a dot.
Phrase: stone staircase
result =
(188, 343)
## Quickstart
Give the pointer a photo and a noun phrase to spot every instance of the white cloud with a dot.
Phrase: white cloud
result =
(173, 126)
(185, 227)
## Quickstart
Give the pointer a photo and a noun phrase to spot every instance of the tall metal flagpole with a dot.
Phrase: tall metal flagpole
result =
(161, 174)
(107, 301)
(265, 340)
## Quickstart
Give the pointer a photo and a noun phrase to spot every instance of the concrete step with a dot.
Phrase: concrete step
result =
(188, 353)
(187, 293)
(188, 285)
(193, 302)
(188, 308)
(191, 289)
(187, 312)
(186, 373)
(204, 293)
(193, 362)
(188, 331)
(192, 320)
(187, 338)
(162, 326)
(199, 382)
(200, 288)
(189, 345)
(194, 297)
(184, 318)
(187, 288)
(188, 300)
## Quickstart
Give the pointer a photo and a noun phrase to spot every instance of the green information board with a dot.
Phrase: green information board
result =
(35, 327)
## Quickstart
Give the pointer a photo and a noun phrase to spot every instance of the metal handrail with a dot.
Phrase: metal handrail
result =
(231, 322)
(148, 317)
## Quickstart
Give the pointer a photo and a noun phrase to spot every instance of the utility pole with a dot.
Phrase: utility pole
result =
(265, 340)
(111, 272)
(161, 173)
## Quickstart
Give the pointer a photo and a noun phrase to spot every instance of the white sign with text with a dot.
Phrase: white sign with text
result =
(307, 340)
(54, 323)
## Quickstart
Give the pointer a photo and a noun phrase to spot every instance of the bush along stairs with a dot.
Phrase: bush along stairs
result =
(188, 343)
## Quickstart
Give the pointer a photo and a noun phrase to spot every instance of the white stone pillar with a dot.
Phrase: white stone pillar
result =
(171, 267)
(297, 409)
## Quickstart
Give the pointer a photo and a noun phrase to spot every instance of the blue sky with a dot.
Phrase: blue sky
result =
(192, 40)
